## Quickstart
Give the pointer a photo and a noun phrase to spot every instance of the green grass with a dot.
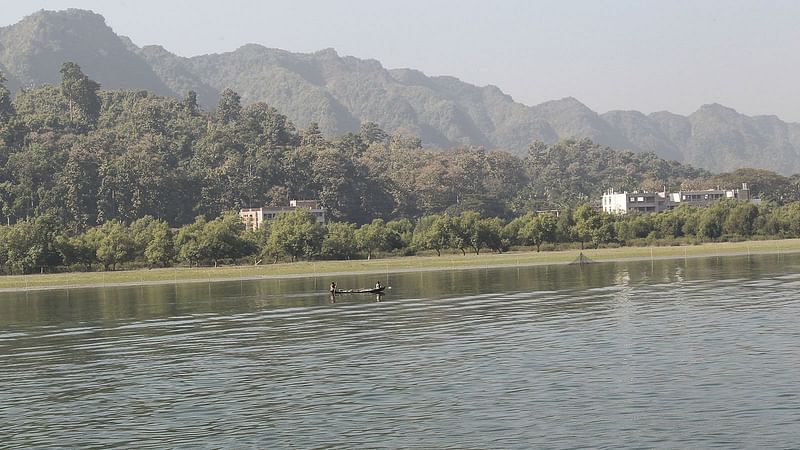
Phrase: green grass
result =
(395, 264)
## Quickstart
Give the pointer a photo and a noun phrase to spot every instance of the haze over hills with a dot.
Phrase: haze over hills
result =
(341, 92)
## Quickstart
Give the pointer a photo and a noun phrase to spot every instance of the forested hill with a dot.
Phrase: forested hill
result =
(338, 93)
(80, 156)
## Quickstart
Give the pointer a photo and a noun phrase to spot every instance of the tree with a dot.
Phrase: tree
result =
(190, 101)
(587, 219)
(511, 230)
(79, 181)
(29, 244)
(80, 249)
(401, 232)
(604, 232)
(636, 226)
(115, 244)
(229, 107)
(537, 229)
(19, 247)
(466, 232)
(741, 219)
(340, 240)
(187, 241)
(373, 237)
(295, 234)
(6, 108)
(222, 238)
(491, 232)
(432, 233)
(764, 184)
(335, 175)
(712, 219)
(371, 133)
(564, 224)
(153, 241)
(80, 91)
(670, 223)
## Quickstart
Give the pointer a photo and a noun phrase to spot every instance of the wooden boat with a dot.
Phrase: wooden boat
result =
(361, 291)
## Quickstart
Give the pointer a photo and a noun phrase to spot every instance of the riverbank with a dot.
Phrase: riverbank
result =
(382, 266)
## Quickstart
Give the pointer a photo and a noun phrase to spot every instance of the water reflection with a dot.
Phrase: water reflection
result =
(60, 306)
(334, 297)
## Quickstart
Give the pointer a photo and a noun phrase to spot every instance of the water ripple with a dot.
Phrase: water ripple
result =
(626, 361)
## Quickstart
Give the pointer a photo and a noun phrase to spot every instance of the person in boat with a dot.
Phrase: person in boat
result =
(333, 287)
(378, 285)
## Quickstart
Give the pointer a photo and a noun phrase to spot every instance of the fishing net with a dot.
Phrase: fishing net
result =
(582, 259)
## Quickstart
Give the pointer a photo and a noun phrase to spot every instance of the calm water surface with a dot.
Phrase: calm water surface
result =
(691, 353)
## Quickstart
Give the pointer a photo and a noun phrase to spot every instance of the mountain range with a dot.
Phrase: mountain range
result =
(340, 92)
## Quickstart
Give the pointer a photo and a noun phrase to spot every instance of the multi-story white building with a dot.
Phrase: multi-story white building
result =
(254, 217)
(624, 202)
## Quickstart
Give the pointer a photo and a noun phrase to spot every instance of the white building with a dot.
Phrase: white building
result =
(622, 203)
(254, 217)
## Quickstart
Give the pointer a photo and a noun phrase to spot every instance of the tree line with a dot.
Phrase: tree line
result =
(37, 245)
(91, 178)
(87, 156)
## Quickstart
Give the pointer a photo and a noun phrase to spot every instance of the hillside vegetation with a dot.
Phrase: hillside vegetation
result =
(102, 178)
(338, 93)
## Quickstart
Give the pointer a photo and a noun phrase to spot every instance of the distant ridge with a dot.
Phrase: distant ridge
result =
(340, 92)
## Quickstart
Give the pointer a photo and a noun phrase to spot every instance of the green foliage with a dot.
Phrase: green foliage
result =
(537, 229)
(713, 219)
(295, 234)
(153, 241)
(373, 237)
(336, 92)
(187, 241)
(229, 108)
(78, 164)
(80, 249)
(491, 234)
(6, 108)
(401, 233)
(574, 171)
(81, 92)
(741, 220)
(340, 241)
(114, 244)
(464, 232)
(29, 244)
(587, 219)
(222, 239)
(433, 233)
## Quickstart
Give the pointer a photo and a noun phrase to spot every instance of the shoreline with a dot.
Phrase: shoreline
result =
(403, 264)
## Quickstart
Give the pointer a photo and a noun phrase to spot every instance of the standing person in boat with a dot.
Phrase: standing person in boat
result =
(333, 287)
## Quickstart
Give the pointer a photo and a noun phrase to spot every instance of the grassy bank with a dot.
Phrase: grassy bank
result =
(398, 264)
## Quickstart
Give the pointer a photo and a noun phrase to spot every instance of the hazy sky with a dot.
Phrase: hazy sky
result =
(670, 55)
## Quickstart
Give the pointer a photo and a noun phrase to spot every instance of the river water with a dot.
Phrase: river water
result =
(690, 353)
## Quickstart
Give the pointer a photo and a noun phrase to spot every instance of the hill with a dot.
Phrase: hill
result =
(340, 92)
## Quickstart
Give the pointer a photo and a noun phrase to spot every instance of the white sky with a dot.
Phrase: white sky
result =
(648, 55)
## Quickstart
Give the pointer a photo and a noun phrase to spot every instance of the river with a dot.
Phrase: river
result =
(692, 353)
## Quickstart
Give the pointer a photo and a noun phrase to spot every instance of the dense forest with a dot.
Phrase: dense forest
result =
(89, 177)
(340, 92)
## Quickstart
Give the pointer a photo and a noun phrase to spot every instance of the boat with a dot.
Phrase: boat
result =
(361, 291)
